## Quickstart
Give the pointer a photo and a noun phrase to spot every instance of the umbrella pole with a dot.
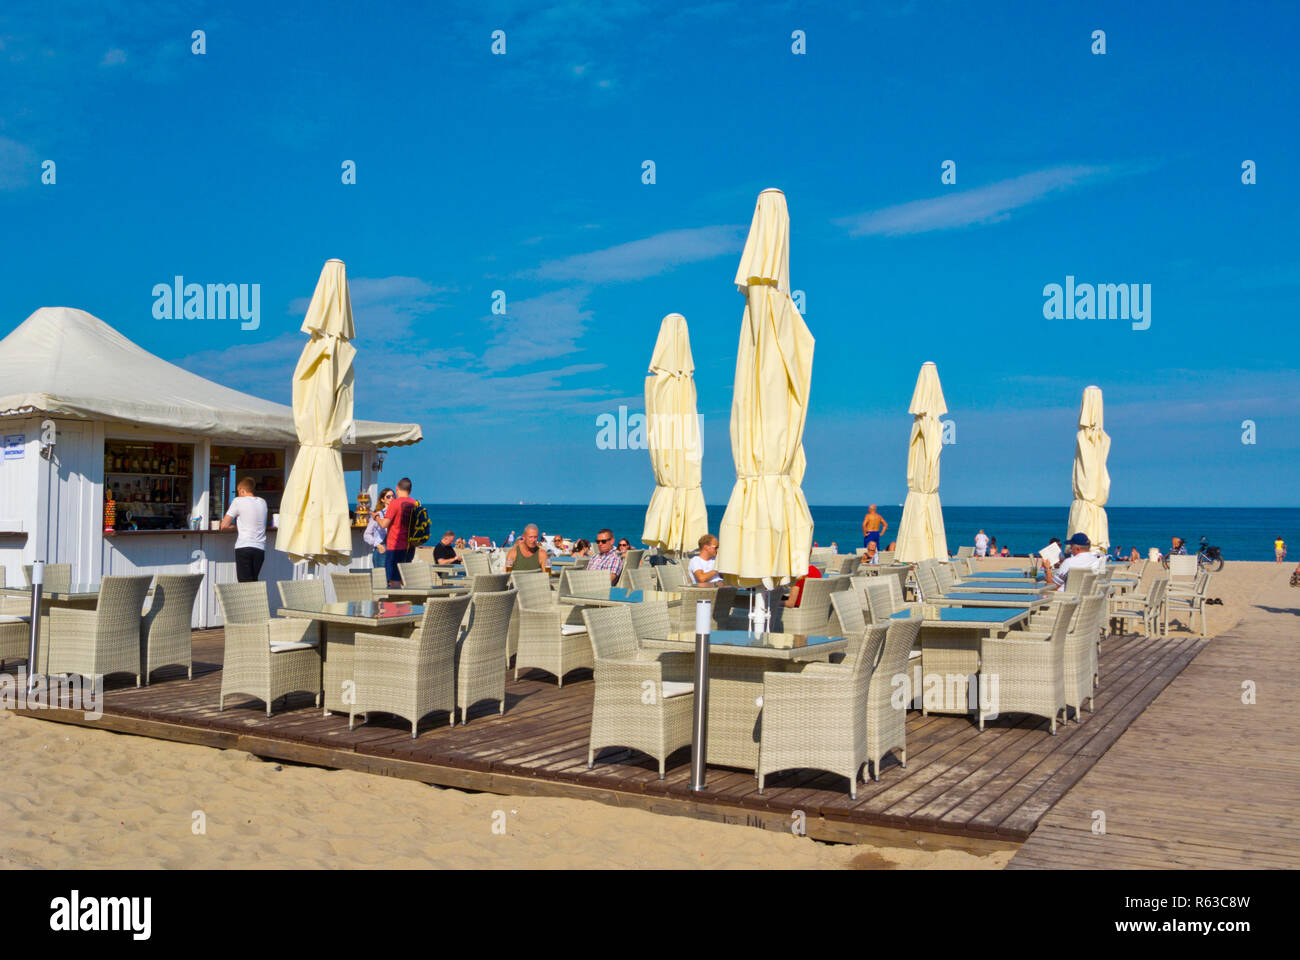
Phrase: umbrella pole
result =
(700, 725)
(38, 580)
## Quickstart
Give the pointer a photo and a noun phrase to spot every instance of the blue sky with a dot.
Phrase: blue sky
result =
(523, 173)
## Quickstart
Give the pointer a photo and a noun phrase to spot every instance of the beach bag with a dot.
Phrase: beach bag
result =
(419, 534)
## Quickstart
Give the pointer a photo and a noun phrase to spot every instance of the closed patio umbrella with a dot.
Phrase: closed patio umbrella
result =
(920, 533)
(676, 518)
(1091, 479)
(314, 523)
(766, 532)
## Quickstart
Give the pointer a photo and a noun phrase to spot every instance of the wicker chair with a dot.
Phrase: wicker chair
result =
(166, 628)
(846, 564)
(353, 587)
(411, 676)
(417, 576)
(672, 576)
(265, 657)
(848, 609)
(1137, 606)
(551, 636)
(15, 626)
(643, 578)
(582, 582)
(477, 563)
(1081, 653)
(1193, 603)
(637, 702)
(481, 651)
(489, 583)
(103, 641)
(378, 581)
(1030, 672)
(302, 594)
(964, 552)
(57, 579)
(812, 616)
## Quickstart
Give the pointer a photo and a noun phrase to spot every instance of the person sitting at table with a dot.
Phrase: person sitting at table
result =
(581, 548)
(703, 566)
(443, 551)
(527, 554)
(1081, 558)
(872, 555)
(607, 558)
(795, 596)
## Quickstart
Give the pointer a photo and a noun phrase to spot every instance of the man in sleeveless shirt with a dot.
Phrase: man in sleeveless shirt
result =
(526, 554)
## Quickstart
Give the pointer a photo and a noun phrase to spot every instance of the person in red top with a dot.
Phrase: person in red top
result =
(795, 596)
(397, 521)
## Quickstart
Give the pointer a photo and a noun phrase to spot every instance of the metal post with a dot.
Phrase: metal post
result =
(38, 578)
(700, 731)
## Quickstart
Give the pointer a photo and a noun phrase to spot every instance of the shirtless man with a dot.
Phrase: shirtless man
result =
(873, 525)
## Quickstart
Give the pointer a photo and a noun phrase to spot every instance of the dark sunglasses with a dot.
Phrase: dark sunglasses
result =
(605, 540)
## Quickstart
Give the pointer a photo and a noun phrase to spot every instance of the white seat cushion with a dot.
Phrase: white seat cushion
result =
(675, 688)
(292, 645)
(571, 629)
(6, 618)
(913, 654)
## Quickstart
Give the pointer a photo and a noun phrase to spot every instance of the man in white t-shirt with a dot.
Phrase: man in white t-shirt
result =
(703, 567)
(247, 514)
(1081, 558)
(981, 544)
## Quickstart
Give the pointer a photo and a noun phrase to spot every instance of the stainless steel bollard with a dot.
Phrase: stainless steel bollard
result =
(38, 578)
(700, 729)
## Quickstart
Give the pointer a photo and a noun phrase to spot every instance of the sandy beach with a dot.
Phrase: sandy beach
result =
(81, 798)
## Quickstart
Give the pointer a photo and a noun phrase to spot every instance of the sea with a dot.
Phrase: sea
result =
(1241, 533)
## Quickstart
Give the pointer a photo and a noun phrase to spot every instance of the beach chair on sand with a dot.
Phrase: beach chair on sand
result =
(1193, 603)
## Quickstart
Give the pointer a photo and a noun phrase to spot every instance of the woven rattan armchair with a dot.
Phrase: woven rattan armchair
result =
(477, 563)
(481, 651)
(302, 594)
(643, 578)
(353, 587)
(1141, 606)
(57, 579)
(412, 676)
(637, 704)
(672, 576)
(103, 641)
(551, 635)
(813, 614)
(166, 628)
(267, 658)
(15, 626)
(1029, 672)
(583, 582)
(489, 583)
(417, 576)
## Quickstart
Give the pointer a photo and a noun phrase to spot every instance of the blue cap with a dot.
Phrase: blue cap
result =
(1079, 540)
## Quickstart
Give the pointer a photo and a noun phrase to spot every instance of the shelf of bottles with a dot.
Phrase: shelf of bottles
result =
(150, 483)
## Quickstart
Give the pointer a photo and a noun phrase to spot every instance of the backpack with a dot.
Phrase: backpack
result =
(419, 532)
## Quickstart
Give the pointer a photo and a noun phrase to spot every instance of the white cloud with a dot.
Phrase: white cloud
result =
(114, 58)
(384, 306)
(538, 328)
(639, 259)
(981, 205)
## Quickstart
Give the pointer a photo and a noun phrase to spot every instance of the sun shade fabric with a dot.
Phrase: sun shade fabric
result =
(676, 517)
(1091, 478)
(67, 363)
(920, 533)
(314, 522)
(766, 532)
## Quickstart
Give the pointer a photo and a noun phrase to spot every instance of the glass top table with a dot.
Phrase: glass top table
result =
(963, 598)
(75, 591)
(997, 586)
(1001, 574)
(967, 618)
(742, 643)
(363, 614)
(417, 593)
(618, 595)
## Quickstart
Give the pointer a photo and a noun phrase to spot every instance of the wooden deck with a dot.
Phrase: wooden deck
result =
(1200, 779)
(961, 788)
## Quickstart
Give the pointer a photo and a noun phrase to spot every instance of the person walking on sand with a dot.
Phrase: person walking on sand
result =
(247, 514)
(873, 525)
(981, 544)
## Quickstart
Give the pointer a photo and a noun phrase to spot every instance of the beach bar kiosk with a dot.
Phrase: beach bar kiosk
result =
(86, 415)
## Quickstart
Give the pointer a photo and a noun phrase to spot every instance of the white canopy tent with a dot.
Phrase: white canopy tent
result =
(65, 362)
(101, 391)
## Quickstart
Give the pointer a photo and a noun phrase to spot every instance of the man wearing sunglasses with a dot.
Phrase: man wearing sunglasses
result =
(607, 558)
